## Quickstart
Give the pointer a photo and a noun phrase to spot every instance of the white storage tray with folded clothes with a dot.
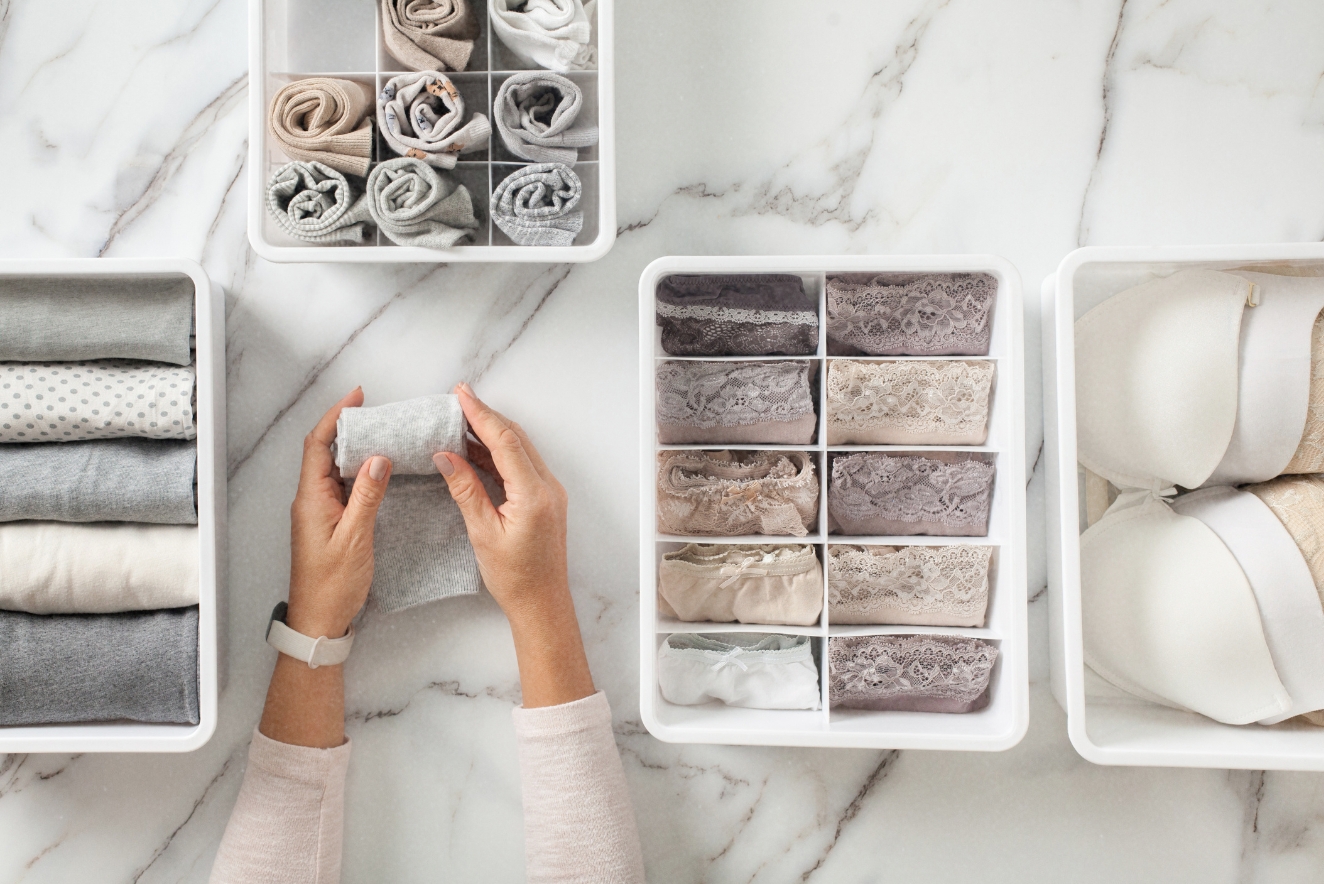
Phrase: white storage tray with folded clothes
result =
(112, 523)
(365, 45)
(1216, 632)
(732, 638)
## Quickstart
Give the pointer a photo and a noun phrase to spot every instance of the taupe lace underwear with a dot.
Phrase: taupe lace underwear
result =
(901, 314)
(912, 585)
(915, 402)
(941, 493)
(735, 403)
(733, 493)
(747, 314)
(909, 673)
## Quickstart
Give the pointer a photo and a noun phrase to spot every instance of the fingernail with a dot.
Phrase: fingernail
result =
(466, 388)
(444, 465)
(377, 469)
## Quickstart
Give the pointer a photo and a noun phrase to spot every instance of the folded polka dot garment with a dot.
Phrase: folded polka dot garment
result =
(102, 399)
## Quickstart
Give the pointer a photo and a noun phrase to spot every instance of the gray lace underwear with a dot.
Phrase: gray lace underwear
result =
(746, 314)
(735, 403)
(909, 673)
(943, 493)
(895, 314)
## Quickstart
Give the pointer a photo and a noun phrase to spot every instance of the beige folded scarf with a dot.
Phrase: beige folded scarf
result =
(429, 35)
(325, 120)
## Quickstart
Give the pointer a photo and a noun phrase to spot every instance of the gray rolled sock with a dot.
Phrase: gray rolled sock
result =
(414, 205)
(408, 433)
(102, 667)
(78, 318)
(535, 113)
(315, 203)
(115, 480)
(533, 205)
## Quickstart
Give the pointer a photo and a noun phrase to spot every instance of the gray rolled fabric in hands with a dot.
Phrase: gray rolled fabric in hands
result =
(430, 35)
(415, 206)
(115, 480)
(315, 203)
(408, 433)
(326, 120)
(77, 318)
(105, 667)
(533, 205)
(422, 116)
(104, 399)
(535, 113)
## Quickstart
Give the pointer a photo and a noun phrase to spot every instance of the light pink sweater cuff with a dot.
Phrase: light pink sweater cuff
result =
(316, 767)
(574, 717)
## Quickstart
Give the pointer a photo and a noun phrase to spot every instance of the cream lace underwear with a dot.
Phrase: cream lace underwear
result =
(908, 403)
(1309, 456)
(732, 493)
(931, 314)
(749, 583)
(735, 403)
(1298, 502)
(909, 673)
(941, 493)
(912, 585)
(750, 669)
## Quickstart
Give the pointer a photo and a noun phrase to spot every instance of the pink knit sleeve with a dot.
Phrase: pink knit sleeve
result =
(287, 823)
(579, 827)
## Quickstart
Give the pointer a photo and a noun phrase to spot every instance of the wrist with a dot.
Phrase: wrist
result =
(313, 622)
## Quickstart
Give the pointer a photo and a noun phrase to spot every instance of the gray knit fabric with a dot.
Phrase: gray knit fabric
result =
(114, 480)
(415, 206)
(70, 319)
(315, 203)
(101, 667)
(536, 111)
(422, 116)
(533, 205)
(408, 432)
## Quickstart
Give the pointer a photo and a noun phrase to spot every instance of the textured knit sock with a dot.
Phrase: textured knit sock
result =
(535, 113)
(430, 36)
(326, 120)
(415, 206)
(315, 203)
(533, 205)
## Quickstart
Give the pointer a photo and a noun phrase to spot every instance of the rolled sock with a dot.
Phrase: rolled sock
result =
(533, 205)
(430, 35)
(552, 34)
(315, 203)
(108, 667)
(98, 568)
(407, 432)
(74, 319)
(535, 112)
(324, 119)
(115, 480)
(415, 206)
(422, 116)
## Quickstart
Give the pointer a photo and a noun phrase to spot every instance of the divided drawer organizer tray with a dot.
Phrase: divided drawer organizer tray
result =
(1002, 722)
(296, 39)
(210, 500)
(1105, 725)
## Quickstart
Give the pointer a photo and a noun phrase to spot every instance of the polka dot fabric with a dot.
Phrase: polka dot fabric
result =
(102, 399)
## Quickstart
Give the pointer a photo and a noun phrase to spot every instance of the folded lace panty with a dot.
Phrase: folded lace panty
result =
(906, 314)
(911, 585)
(105, 667)
(79, 318)
(732, 493)
(916, 402)
(743, 314)
(105, 399)
(535, 112)
(326, 120)
(533, 205)
(734, 403)
(116, 480)
(422, 116)
(909, 673)
(552, 34)
(414, 205)
(764, 583)
(748, 669)
(314, 203)
(430, 35)
(940, 493)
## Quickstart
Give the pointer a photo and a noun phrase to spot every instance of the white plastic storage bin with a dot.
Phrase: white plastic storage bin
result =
(1105, 725)
(209, 363)
(295, 39)
(1003, 722)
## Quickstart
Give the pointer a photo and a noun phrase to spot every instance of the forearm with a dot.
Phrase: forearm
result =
(553, 668)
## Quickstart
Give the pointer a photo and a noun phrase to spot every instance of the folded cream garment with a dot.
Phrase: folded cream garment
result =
(749, 583)
(326, 120)
(104, 399)
(551, 34)
(97, 568)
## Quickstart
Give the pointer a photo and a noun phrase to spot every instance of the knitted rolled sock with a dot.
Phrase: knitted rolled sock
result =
(415, 206)
(430, 35)
(551, 34)
(105, 399)
(535, 113)
(533, 205)
(315, 203)
(326, 120)
(77, 318)
(422, 116)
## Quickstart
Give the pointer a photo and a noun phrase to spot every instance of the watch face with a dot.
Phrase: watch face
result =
(279, 612)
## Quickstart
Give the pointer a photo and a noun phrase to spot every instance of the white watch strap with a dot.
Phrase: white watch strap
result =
(321, 651)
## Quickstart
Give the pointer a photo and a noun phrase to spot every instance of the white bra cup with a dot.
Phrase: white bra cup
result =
(1169, 615)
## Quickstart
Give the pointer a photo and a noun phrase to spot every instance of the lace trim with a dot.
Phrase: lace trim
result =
(935, 314)
(737, 314)
(920, 398)
(1309, 455)
(733, 493)
(732, 561)
(871, 668)
(909, 488)
(727, 394)
(931, 585)
(1298, 502)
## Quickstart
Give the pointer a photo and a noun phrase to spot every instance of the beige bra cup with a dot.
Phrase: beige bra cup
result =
(759, 583)
(918, 402)
(735, 493)
(910, 585)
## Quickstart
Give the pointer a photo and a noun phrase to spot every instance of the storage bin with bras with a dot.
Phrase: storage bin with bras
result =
(432, 130)
(112, 443)
(832, 456)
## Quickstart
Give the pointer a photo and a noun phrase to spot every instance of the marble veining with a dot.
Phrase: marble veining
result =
(1018, 128)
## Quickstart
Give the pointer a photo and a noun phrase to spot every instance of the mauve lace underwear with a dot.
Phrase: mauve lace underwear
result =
(732, 493)
(941, 493)
(896, 314)
(735, 403)
(743, 314)
(909, 673)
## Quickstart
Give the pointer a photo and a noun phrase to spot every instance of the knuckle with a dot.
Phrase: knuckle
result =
(509, 439)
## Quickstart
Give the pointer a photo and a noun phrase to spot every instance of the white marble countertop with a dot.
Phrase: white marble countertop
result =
(1023, 128)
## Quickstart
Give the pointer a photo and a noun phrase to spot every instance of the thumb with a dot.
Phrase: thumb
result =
(366, 498)
(468, 492)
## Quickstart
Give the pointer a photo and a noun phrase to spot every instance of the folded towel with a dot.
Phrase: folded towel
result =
(535, 113)
(326, 120)
(109, 667)
(98, 568)
(552, 34)
(315, 203)
(430, 35)
(115, 480)
(415, 206)
(106, 399)
(422, 116)
(532, 205)
(75, 318)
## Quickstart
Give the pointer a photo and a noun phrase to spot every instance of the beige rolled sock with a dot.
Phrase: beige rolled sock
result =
(325, 120)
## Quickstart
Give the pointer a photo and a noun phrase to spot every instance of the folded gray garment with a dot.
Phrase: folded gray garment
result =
(422, 116)
(415, 206)
(102, 667)
(535, 113)
(77, 318)
(315, 203)
(408, 432)
(430, 35)
(115, 480)
(533, 205)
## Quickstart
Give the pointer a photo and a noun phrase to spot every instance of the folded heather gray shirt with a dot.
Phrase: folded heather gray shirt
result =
(113, 480)
(71, 319)
(100, 667)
